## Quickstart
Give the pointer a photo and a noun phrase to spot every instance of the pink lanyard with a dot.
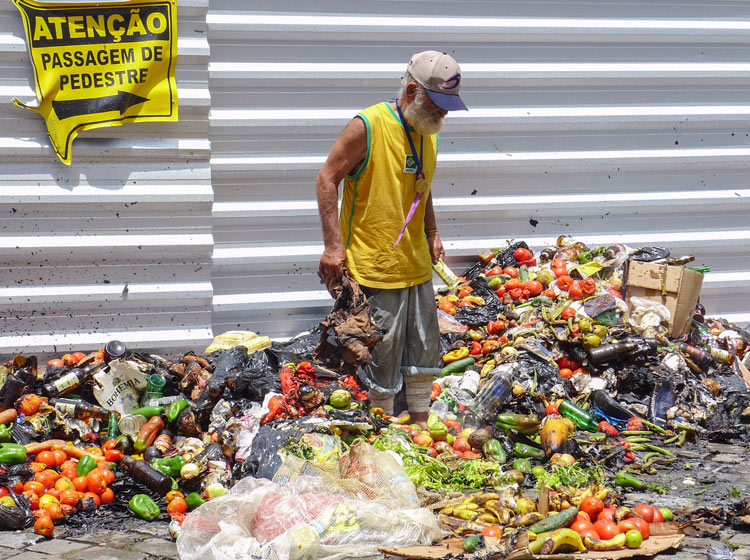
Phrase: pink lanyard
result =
(420, 183)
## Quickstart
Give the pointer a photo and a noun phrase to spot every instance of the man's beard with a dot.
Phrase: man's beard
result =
(417, 115)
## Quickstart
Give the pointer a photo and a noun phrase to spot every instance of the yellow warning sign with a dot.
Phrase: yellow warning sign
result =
(99, 65)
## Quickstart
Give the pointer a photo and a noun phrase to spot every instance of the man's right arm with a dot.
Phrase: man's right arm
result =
(346, 156)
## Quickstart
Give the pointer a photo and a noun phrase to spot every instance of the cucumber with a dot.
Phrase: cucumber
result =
(459, 366)
(554, 521)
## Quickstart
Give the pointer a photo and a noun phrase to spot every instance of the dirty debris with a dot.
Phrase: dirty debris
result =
(583, 403)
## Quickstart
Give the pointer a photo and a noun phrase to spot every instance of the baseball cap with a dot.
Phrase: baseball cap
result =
(441, 77)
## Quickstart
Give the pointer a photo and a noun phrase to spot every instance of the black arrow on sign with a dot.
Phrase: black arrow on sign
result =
(120, 102)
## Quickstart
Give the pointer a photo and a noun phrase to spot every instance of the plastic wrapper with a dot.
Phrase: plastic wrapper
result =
(448, 323)
(230, 339)
(647, 315)
(650, 254)
(347, 511)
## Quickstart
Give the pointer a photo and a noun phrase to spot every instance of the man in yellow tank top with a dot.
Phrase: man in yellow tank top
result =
(386, 234)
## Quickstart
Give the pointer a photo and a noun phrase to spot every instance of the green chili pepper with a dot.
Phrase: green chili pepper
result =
(143, 506)
(525, 450)
(193, 500)
(170, 466)
(85, 465)
(149, 411)
(4, 433)
(176, 408)
(12, 453)
(629, 481)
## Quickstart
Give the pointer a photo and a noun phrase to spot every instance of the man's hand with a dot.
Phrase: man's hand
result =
(436, 247)
(331, 269)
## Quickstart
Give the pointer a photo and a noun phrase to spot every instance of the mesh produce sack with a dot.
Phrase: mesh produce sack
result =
(325, 510)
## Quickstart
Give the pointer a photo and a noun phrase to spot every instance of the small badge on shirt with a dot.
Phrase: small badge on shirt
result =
(410, 164)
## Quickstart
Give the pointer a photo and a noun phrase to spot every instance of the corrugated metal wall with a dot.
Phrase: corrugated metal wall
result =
(118, 245)
(609, 121)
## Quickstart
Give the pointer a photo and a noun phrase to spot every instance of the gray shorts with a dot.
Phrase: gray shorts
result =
(409, 317)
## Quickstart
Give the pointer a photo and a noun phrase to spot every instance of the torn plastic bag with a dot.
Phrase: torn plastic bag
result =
(267, 449)
(448, 323)
(17, 517)
(607, 408)
(650, 254)
(311, 513)
(303, 345)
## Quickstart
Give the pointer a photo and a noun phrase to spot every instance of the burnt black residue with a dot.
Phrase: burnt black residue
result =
(112, 516)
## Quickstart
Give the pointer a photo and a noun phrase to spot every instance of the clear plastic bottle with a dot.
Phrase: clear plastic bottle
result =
(464, 393)
(495, 392)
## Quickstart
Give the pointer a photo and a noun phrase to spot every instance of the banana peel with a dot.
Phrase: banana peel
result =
(615, 543)
(565, 539)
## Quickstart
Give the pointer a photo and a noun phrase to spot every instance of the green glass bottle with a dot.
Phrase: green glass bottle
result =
(581, 418)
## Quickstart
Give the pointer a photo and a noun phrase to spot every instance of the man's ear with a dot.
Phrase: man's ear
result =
(411, 91)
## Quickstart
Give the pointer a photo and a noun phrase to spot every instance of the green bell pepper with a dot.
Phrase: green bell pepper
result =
(143, 506)
(4, 433)
(85, 465)
(176, 408)
(170, 466)
(493, 451)
(12, 453)
(524, 450)
(149, 411)
(193, 500)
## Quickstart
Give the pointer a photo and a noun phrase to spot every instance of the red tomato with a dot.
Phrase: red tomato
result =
(588, 286)
(565, 373)
(500, 292)
(575, 292)
(516, 294)
(645, 511)
(56, 362)
(606, 529)
(658, 517)
(550, 293)
(566, 314)
(95, 481)
(44, 526)
(642, 527)
(608, 513)
(521, 254)
(47, 458)
(491, 531)
(590, 533)
(635, 423)
(564, 282)
(77, 356)
(513, 283)
(592, 506)
(535, 287)
(629, 456)
(627, 524)
(108, 496)
(511, 271)
(551, 409)
(29, 404)
(583, 525)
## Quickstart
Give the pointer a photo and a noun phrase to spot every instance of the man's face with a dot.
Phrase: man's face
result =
(423, 114)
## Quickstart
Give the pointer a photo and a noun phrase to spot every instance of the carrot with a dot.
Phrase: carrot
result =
(36, 446)
(70, 450)
(7, 416)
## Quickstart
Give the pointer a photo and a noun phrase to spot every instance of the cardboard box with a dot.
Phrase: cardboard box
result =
(676, 287)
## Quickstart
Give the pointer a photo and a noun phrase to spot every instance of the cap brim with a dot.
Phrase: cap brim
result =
(446, 101)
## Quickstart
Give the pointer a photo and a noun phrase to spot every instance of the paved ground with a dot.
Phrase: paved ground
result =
(135, 540)
(707, 476)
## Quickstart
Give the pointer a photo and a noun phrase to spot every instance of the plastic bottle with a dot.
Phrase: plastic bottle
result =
(495, 392)
(79, 409)
(582, 419)
(71, 380)
(466, 390)
(154, 479)
(445, 273)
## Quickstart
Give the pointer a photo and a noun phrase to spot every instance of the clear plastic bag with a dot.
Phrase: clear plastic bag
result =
(311, 510)
(647, 315)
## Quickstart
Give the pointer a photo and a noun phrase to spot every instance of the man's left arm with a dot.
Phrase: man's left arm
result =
(431, 231)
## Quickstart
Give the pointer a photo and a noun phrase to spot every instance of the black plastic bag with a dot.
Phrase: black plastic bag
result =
(302, 345)
(649, 254)
(506, 258)
(17, 517)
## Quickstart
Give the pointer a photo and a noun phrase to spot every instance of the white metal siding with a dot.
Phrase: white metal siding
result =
(118, 245)
(612, 122)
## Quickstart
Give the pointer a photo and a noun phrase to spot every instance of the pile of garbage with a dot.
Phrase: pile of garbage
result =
(567, 379)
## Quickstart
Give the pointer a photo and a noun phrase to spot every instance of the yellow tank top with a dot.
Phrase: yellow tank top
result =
(376, 201)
